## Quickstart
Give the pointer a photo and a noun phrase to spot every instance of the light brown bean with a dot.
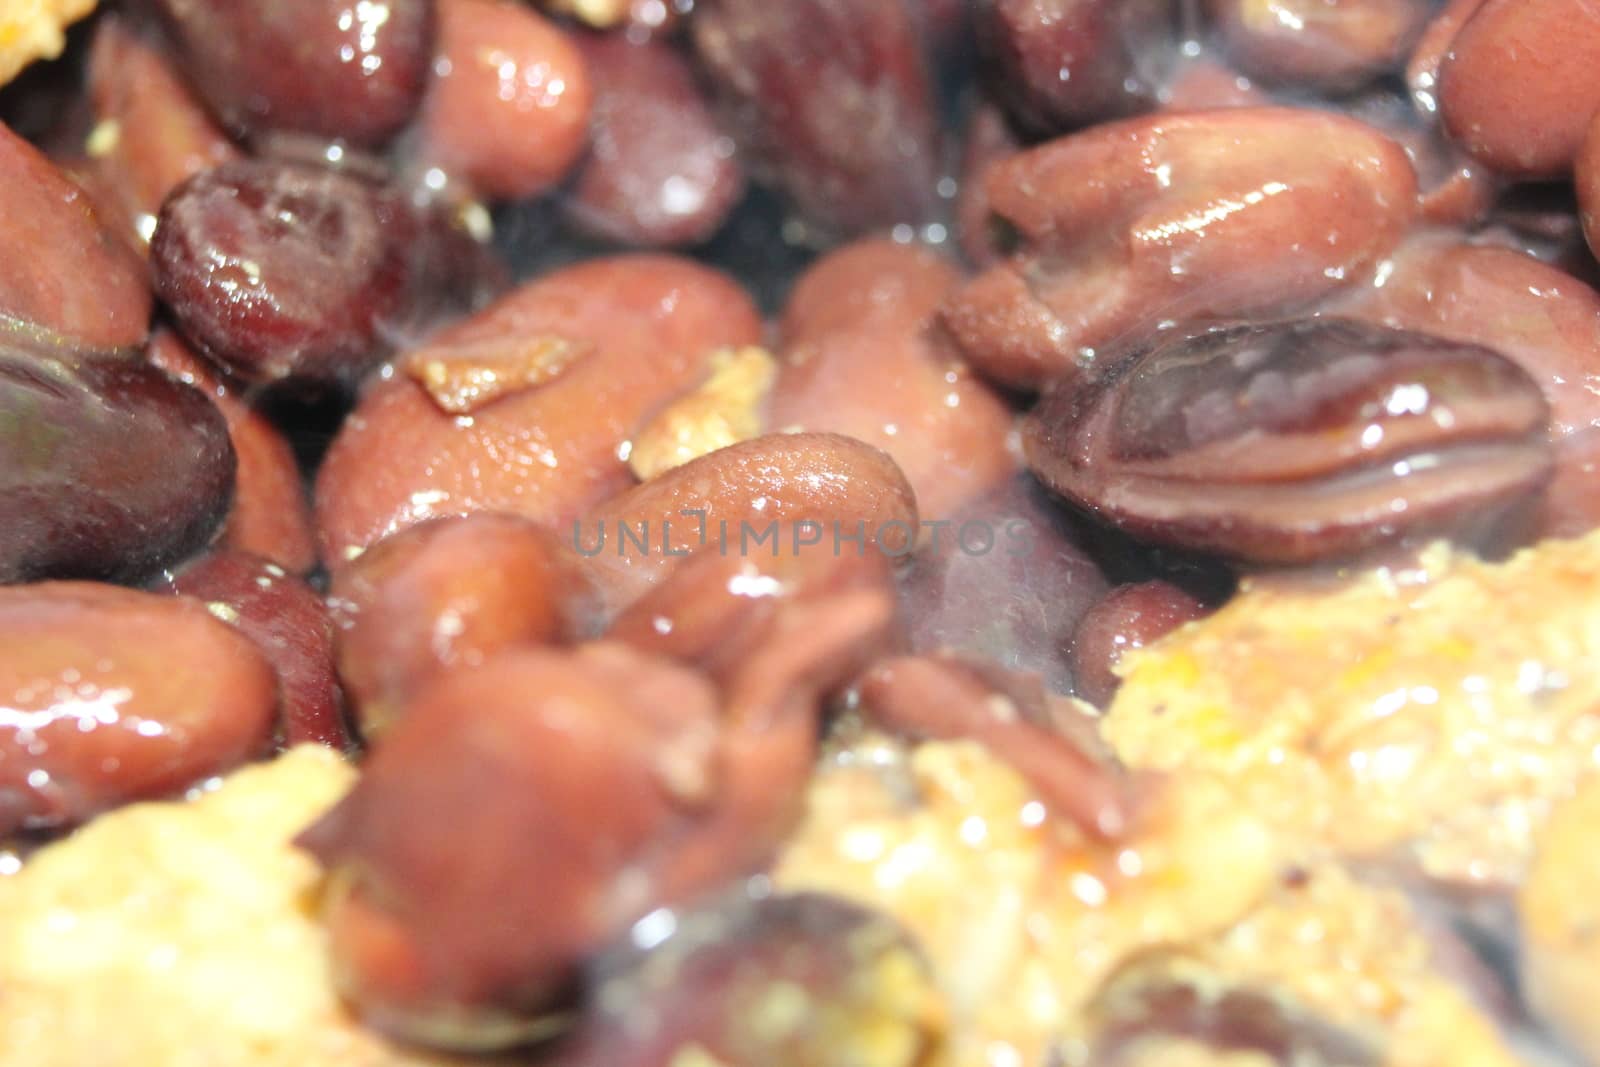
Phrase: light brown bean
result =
(112, 695)
(1326, 44)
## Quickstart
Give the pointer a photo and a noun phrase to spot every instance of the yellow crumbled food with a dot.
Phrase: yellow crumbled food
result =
(35, 29)
(1559, 913)
(1435, 712)
(183, 935)
(1021, 917)
(726, 408)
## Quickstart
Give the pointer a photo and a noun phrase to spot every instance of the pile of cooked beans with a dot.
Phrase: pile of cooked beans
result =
(573, 413)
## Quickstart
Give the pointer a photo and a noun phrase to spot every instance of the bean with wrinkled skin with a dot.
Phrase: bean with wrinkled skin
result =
(289, 623)
(1057, 65)
(508, 106)
(887, 375)
(1005, 581)
(1517, 88)
(280, 270)
(659, 172)
(944, 699)
(448, 594)
(1202, 216)
(111, 695)
(834, 102)
(108, 467)
(271, 513)
(615, 782)
(1329, 45)
(1297, 442)
(160, 134)
(862, 989)
(340, 69)
(733, 497)
(61, 267)
(643, 329)
(1130, 617)
(988, 140)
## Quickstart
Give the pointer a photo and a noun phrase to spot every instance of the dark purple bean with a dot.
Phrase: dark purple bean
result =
(1131, 616)
(1003, 580)
(659, 171)
(1294, 442)
(785, 981)
(280, 270)
(833, 100)
(1141, 1010)
(1061, 64)
(108, 467)
(346, 69)
(291, 626)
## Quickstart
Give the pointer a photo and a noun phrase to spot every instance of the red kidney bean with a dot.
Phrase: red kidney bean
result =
(615, 782)
(1517, 88)
(1454, 189)
(113, 695)
(700, 988)
(1296, 442)
(508, 107)
(289, 624)
(108, 467)
(280, 270)
(659, 171)
(341, 69)
(1337, 45)
(1131, 616)
(988, 141)
(60, 267)
(1586, 176)
(1422, 72)
(639, 329)
(1203, 216)
(822, 487)
(271, 512)
(1003, 581)
(448, 594)
(865, 356)
(945, 699)
(1059, 64)
(833, 101)
(159, 134)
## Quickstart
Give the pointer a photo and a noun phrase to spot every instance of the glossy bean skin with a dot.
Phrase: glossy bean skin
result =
(833, 100)
(865, 990)
(643, 329)
(508, 106)
(1586, 177)
(874, 364)
(1308, 202)
(615, 781)
(1005, 581)
(335, 68)
(161, 133)
(659, 172)
(1422, 71)
(1256, 443)
(447, 594)
(1314, 43)
(61, 267)
(271, 512)
(113, 695)
(109, 468)
(836, 486)
(1130, 617)
(1058, 65)
(945, 698)
(280, 270)
(1516, 89)
(291, 627)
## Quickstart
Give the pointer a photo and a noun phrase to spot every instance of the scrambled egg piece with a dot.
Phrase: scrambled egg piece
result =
(1432, 714)
(1559, 911)
(1021, 917)
(35, 29)
(183, 935)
